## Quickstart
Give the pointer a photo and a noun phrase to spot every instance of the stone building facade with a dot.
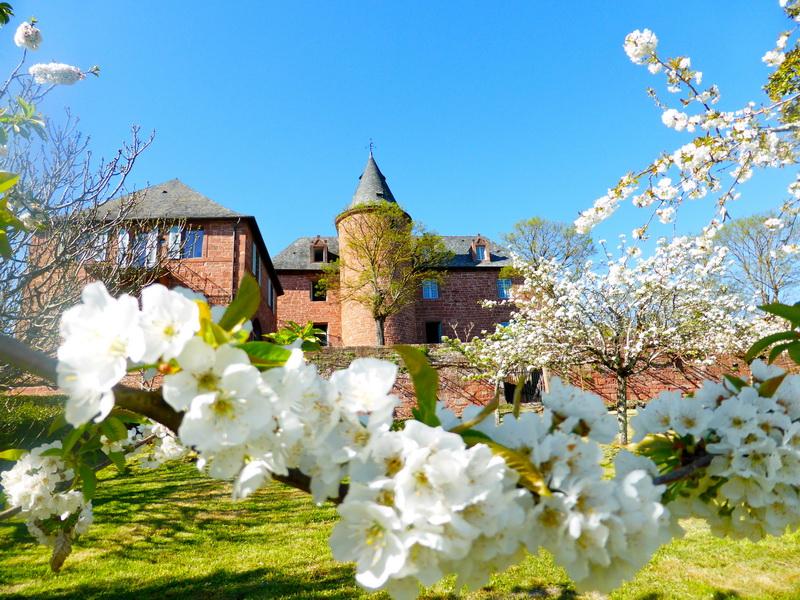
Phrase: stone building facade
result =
(451, 308)
(188, 240)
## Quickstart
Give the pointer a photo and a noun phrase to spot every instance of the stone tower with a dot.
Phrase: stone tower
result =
(358, 325)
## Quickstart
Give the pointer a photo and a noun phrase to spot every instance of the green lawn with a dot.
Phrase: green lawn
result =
(173, 533)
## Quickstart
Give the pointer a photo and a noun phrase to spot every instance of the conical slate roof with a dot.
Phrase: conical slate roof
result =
(372, 186)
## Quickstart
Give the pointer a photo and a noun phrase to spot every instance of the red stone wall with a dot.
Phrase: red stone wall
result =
(243, 251)
(211, 274)
(226, 256)
(296, 304)
(458, 306)
(646, 386)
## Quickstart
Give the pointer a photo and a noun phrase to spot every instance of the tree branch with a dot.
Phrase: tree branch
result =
(684, 471)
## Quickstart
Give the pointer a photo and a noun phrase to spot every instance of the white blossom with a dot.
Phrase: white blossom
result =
(55, 74)
(28, 36)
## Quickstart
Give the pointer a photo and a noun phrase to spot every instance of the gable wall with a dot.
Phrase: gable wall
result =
(296, 304)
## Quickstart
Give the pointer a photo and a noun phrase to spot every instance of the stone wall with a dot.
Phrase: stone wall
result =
(458, 306)
(454, 389)
(458, 309)
(296, 304)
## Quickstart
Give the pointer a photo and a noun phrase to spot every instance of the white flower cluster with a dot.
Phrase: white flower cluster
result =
(247, 424)
(27, 36)
(55, 74)
(667, 303)
(103, 337)
(165, 447)
(423, 505)
(640, 45)
(33, 483)
(244, 424)
(151, 444)
(752, 486)
(732, 144)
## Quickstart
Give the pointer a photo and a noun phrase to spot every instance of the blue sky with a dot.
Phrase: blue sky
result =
(482, 113)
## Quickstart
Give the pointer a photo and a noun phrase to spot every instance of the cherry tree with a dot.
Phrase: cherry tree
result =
(442, 494)
(628, 316)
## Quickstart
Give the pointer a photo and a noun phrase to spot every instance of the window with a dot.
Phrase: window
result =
(123, 246)
(504, 288)
(322, 337)
(430, 289)
(145, 249)
(480, 252)
(257, 334)
(433, 332)
(319, 254)
(255, 263)
(95, 246)
(192, 240)
(318, 292)
(174, 242)
(269, 293)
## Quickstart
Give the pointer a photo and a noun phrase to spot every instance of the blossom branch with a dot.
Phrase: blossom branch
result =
(684, 471)
(147, 403)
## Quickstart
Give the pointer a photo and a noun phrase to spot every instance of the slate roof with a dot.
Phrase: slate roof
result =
(372, 186)
(297, 255)
(459, 246)
(172, 199)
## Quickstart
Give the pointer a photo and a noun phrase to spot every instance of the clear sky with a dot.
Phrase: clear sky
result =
(482, 113)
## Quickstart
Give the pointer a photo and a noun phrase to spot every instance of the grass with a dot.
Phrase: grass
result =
(173, 533)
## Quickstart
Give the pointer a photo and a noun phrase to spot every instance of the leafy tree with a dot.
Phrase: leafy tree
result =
(384, 260)
(538, 240)
(762, 268)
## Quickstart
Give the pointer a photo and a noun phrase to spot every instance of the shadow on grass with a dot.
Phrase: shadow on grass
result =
(717, 595)
(223, 585)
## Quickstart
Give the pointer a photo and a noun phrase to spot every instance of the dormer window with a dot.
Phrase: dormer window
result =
(479, 250)
(319, 250)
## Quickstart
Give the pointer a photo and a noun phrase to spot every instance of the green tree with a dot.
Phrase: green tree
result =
(536, 240)
(760, 268)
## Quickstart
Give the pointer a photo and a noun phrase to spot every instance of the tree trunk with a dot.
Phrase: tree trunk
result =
(622, 407)
(380, 323)
(546, 379)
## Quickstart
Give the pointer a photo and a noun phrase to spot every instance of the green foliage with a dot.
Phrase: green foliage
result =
(292, 332)
(529, 475)
(8, 220)
(12, 454)
(24, 121)
(114, 429)
(244, 305)
(536, 240)
(426, 384)
(790, 338)
(785, 79)
(6, 12)
(265, 354)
